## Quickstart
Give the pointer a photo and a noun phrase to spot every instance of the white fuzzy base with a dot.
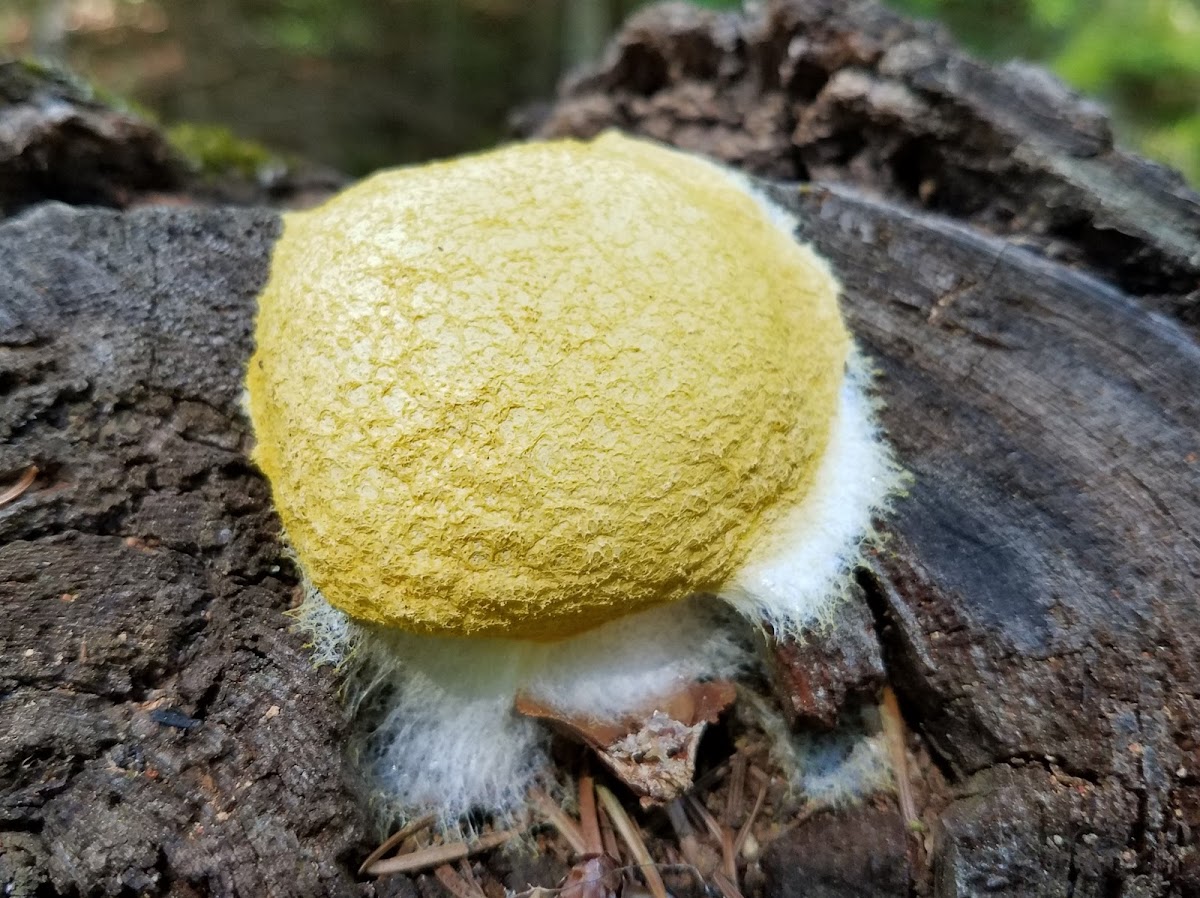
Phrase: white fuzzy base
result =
(826, 770)
(800, 568)
(447, 738)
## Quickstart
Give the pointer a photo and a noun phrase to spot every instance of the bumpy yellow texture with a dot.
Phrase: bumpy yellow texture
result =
(526, 392)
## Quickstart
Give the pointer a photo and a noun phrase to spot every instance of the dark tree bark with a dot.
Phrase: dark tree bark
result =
(160, 728)
(1029, 294)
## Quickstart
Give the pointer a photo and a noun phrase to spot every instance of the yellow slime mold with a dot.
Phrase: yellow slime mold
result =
(527, 392)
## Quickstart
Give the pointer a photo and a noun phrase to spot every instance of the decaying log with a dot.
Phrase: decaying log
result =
(850, 93)
(59, 141)
(1029, 295)
(1037, 600)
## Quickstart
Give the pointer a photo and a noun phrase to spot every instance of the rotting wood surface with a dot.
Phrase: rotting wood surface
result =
(1029, 295)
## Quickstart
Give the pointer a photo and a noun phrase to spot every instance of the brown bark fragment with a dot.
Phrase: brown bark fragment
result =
(834, 665)
(652, 751)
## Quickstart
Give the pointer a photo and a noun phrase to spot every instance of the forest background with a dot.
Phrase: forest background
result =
(360, 84)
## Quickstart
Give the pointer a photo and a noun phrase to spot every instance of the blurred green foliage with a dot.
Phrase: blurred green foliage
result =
(1142, 57)
(365, 83)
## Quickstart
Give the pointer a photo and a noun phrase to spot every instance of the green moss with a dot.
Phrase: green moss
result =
(215, 150)
(28, 77)
(23, 79)
(39, 69)
(115, 101)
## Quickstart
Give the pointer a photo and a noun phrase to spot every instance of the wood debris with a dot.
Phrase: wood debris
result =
(460, 883)
(654, 751)
(589, 819)
(633, 841)
(559, 819)
(712, 834)
(593, 877)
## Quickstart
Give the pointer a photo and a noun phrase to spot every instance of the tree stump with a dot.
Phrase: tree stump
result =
(1030, 295)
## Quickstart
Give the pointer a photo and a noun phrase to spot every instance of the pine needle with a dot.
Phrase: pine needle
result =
(688, 844)
(744, 832)
(455, 884)
(893, 731)
(589, 820)
(15, 491)
(437, 855)
(558, 818)
(722, 836)
(395, 839)
(633, 840)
